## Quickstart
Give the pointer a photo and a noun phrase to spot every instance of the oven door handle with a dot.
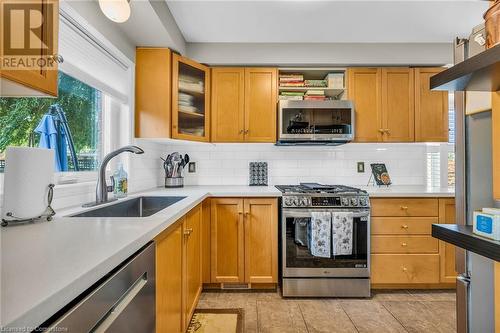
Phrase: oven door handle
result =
(307, 212)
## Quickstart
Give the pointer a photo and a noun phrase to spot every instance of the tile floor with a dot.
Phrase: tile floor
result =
(387, 311)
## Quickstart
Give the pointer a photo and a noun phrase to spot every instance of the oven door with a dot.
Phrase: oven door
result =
(298, 260)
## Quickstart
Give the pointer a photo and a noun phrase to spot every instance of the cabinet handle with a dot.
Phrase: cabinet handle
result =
(404, 269)
(404, 207)
(174, 126)
(247, 213)
(387, 131)
(240, 213)
(381, 130)
(404, 226)
(246, 131)
(241, 131)
(188, 231)
(404, 244)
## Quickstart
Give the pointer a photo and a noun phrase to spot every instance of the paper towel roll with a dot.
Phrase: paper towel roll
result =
(28, 173)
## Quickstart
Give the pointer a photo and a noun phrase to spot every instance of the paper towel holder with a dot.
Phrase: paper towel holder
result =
(48, 214)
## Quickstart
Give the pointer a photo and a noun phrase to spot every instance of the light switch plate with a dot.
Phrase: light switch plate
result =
(361, 167)
(192, 167)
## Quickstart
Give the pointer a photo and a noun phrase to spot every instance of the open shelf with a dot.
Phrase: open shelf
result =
(478, 73)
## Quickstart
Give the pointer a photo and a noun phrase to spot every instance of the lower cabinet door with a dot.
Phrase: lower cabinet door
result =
(169, 281)
(261, 240)
(192, 248)
(404, 268)
(227, 242)
(447, 251)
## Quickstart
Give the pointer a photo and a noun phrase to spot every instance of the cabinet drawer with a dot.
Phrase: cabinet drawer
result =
(402, 225)
(404, 244)
(404, 268)
(404, 207)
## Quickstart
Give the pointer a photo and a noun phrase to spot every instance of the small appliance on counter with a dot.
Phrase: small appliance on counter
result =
(28, 188)
(486, 223)
(174, 169)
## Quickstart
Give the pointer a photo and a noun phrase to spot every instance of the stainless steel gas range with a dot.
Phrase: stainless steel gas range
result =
(325, 241)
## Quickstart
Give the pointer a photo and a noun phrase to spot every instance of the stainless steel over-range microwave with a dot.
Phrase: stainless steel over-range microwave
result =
(329, 121)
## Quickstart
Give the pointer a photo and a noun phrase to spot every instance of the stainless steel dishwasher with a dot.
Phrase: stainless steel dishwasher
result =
(123, 302)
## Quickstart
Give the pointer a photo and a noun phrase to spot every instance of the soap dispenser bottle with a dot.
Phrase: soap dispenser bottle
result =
(121, 182)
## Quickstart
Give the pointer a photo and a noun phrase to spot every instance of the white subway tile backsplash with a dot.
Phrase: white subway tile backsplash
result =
(294, 164)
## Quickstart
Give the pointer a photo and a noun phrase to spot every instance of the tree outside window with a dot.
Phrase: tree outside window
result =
(82, 106)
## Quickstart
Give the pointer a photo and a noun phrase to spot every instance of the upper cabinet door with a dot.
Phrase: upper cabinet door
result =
(39, 79)
(190, 100)
(431, 108)
(228, 102)
(398, 106)
(364, 88)
(261, 98)
(152, 92)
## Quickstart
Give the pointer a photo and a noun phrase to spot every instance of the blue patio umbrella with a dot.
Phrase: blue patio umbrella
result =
(53, 136)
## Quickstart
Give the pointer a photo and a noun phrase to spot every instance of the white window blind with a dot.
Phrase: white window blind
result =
(451, 117)
(433, 169)
(88, 60)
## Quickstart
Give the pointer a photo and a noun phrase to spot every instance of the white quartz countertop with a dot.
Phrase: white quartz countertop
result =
(46, 265)
(409, 191)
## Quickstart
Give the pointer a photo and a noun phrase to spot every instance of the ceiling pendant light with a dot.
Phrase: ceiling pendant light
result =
(116, 10)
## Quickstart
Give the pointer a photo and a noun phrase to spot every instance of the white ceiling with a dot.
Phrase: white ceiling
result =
(326, 21)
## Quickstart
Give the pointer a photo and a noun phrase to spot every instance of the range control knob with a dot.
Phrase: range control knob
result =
(303, 202)
(363, 201)
(287, 201)
(345, 201)
(354, 201)
(295, 202)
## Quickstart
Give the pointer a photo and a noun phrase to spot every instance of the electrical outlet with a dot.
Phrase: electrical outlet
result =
(361, 167)
(192, 167)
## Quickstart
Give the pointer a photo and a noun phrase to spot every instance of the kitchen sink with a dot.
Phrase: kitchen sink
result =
(136, 207)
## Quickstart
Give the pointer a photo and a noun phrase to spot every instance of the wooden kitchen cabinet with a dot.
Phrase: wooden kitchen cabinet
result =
(169, 279)
(153, 92)
(227, 241)
(228, 104)
(40, 81)
(364, 88)
(192, 261)
(178, 272)
(244, 240)
(431, 108)
(244, 104)
(446, 250)
(403, 252)
(261, 97)
(495, 124)
(398, 106)
(190, 100)
(205, 241)
(261, 240)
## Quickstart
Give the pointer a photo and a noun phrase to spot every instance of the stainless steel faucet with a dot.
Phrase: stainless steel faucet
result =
(101, 191)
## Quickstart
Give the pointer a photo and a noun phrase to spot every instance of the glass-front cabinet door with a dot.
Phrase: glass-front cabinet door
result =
(190, 100)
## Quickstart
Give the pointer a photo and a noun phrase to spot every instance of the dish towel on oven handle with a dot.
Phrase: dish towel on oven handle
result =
(342, 233)
(320, 234)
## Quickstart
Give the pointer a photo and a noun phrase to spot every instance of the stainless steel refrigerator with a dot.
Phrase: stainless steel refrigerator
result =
(474, 190)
